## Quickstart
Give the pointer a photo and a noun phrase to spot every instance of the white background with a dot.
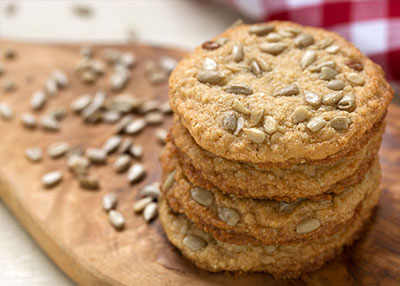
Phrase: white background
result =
(178, 23)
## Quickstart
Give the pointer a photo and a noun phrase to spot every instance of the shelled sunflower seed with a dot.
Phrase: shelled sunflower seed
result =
(316, 124)
(307, 225)
(300, 114)
(96, 156)
(194, 242)
(81, 103)
(128, 60)
(135, 126)
(210, 76)
(120, 126)
(116, 219)
(229, 121)
(58, 149)
(151, 190)
(78, 164)
(270, 124)
(136, 151)
(57, 112)
(34, 154)
(122, 163)
(38, 100)
(125, 145)
(168, 64)
(150, 211)
(304, 40)
(161, 135)
(51, 179)
(88, 182)
(202, 196)
(135, 173)
(239, 107)
(336, 84)
(273, 48)
(141, 204)
(291, 89)
(228, 215)
(112, 144)
(110, 201)
(312, 98)
(6, 111)
(254, 134)
(340, 122)
(49, 123)
(308, 58)
(169, 180)
(239, 89)
(149, 105)
(123, 103)
(209, 64)
(261, 29)
(165, 108)
(93, 107)
(110, 116)
(239, 125)
(28, 120)
(154, 117)
(60, 78)
(51, 87)
(119, 79)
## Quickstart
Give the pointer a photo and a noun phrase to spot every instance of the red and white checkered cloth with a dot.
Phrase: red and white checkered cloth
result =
(372, 25)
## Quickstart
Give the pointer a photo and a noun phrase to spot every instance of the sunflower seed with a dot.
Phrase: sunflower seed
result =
(209, 64)
(304, 40)
(239, 125)
(125, 145)
(347, 103)
(161, 135)
(332, 49)
(135, 126)
(154, 117)
(202, 196)
(307, 225)
(210, 76)
(324, 43)
(94, 106)
(135, 173)
(157, 77)
(222, 41)
(340, 122)
(112, 144)
(140, 205)
(239, 89)
(308, 58)
(110, 116)
(110, 200)
(75, 151)
(263, 65)
(332, 98)
(152, 190)
(57, 149)
(228, 215)
(317, 68)
(96, 156)
(273, 37)
(6, 111)
(237, 53)
(293, 30)
(57, 112)
(287, 207)
(239, 107)
(149, 105)
(118, 81)
(28, 120)
(169, 180)
(116, 219)
(78, 164)
(168, 64)
(49, 123)
(229, 121)
(121, 163)
(128, 60)
(195, 243)
(98, 67)
(88, 76)
(86, 52)
(327, 73)
(355, 65)
(210, 45)
(150, 212)
(34, 154)
(355, 79)
(60, 78)
(316, 124)
(81, 103)
(165, 107)
(336, 84)
(136, 151)
(120, 126)
(51, 179)
(300, 114)
(291, 89)
(273, 48)
(261, 30)
(51, 87)
(88, 182)
(312, 98)
(38, 100)
(256, 116)
(255, 69)
(270, 124)
(254, 134)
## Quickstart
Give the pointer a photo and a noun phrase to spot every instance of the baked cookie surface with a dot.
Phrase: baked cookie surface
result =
(278, 92)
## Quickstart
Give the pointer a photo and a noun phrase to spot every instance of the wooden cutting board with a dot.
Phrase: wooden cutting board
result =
(70, 226)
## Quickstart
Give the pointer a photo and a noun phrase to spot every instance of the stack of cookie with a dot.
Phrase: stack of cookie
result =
(271, 163)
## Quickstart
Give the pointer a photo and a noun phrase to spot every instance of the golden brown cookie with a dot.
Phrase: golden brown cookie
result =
(249, 180)
(279, 92)
(282, 261)
(242, 221)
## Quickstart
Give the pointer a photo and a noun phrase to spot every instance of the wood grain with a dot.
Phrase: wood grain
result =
(70, 226)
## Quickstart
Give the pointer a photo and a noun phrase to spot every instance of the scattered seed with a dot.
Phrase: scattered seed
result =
(88, 182)
(308, 58)
(122, 163)
(332, 98)
(51, 179)
(9, 86)
(307, 225)
(120, 126)
(239, 125)
(136, 151)
(111, 116)
(149, 105)
(135, 126)
(317, 68)
(125, 145)
(355, 79)
(152, 190)
(123, 103)
(355, 65)
(273, 37)
(141, 204)
(261, 30)
(154, 117)
(312, 98)
(28, 120)
(81, 103)
(347, 103)
(209, 76)
(237, 53)
(327, 73)
(332, 49)
(304, 40)
(57, 112)
(112, 144)
(95, 104)
(273, 48)
(169, 180)
(10, 53)
(116, 219)
(51, 87)
(86, 52)
(300, 114)
(254, 134)
(118, 81)
(6, 111)
(202, 196)
(168, 64)
(88, 76)
(128, 60)
(165, 107)
(228, 215)
(239, 107)
(96, 156)
(110, 200)
(340, 122)
(195, 243)
(38, 100)
(49, 123)
(291, 89)
(336, 84)
(209, 64)
(150, 211)
(58, 149)
(255, 69)
(135, 173)
(60, 78)
(210, 45)
(161, 135)
(98, 67)
(78, 164)
(256, 116)
(158, 77)
(270, 124)
(316, 124)
(34, 154)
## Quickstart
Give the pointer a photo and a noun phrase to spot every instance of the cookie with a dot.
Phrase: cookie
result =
(289, 94)
(243, 221)
(282, 261)
(250, 180)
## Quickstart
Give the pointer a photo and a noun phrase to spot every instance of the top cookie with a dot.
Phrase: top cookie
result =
(277, 92)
